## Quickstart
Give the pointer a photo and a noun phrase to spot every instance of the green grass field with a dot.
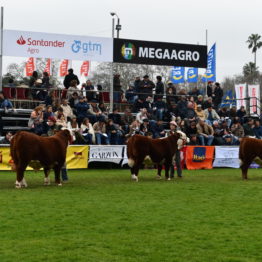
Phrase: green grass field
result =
(101, 215)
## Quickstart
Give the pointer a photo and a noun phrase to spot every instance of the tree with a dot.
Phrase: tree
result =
(250, 72)
(254, 44)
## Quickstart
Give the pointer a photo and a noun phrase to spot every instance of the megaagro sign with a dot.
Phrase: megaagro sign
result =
(73, 47)
(159, 53)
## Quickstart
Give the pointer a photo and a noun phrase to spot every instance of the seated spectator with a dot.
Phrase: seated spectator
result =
(134, 128)
(172, 112)
(94, 112)
(232, 112)
(115, 116)
(159, 129)
(146, 127)
(193, 140)
(61, 121)
(126, 120)
(130, 95)
(200, 100)
(72, 89)
(205, 133)
(48, 112)
(195, 92)
(237, 129)
(100, 132)
(35, 122)
(191, 132)
(248, 128)
(208, 103)
(67, 110)
(103, 108)
(59, 111)
(74, 129)
(218, 133)
(223, 112)
(7, 139)
(52, 126)
(182, 107)
(139, 104)
(258, 129)
(159, 108)
(56, 104)
(211, 115)
(170, 97)
(142, 115)
(200, 112)
(73, 101)
(81, 109)
(241, 113)
(50, 98)
(230, 140)
(111, 131)
(89, 90)
(5, 103)
(87, 132)
(190, 114)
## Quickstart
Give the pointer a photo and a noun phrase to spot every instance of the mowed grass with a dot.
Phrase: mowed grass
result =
(101, 215)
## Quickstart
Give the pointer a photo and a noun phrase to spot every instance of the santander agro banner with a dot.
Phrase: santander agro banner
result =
(159, 53)
(73, 47)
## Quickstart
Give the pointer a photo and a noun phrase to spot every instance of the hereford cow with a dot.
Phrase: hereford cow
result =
(250, 150)
(160, 151)
(33, 150)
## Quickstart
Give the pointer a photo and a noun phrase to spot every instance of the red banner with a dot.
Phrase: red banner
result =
(199, 157)
(30, 66)
(63, 67)
(48, 66)
(84, 68)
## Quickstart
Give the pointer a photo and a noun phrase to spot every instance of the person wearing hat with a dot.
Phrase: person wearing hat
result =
(146, 87)
(200, 112)
(173, 128)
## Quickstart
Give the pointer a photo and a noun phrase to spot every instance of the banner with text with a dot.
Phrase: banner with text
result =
(159, 53)
(226, 156)
(210, 74)
(110, 153)
(198, 157)
(254, 95)
(76, 157)
(241, 95)
(46, 45)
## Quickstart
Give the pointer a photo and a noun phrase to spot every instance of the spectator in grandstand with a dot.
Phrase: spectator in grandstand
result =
(146, 127)
(258, 129)
(237, 129)
(52, 126)
(232, 112)
(218, 95)
(249, 128)
(5, 103)
(115, 116)
(69, 77)
(146, 87)
(126, 120)
(136, 85)
(103, 108)
(207, 103)
(74, 129)
(211, 115)
(171, 85)
(191, 132)
(67, 110)
(7, 139)
(81, 109)
(182, 107)
(159, 129)
(40, 94)
(45, 81)
(100, 132)
(50, 98)
(35, 121)
(200, 100)
(32, 81)
(72, 89)
(173, 129)
(200, 112)
(230, 140)
(159, 108)
(74, 100)
(172, 112)
(170, 97)
(205, 133)
(139, 104)
(159, 90)
(190, 113)
(48, 112)
(59, 112)
(218, 133)
(130, 94)
(210, 89)
(117, 89)
(143, 114)
(61, 121)
(94, 112)
(194, 92)
(111, 131)
(241, 112)
(87, 131)
(56, 104)
(89, 90)
(134, 128)
(223, 112)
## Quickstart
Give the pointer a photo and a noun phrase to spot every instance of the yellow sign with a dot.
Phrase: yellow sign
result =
(5, 158)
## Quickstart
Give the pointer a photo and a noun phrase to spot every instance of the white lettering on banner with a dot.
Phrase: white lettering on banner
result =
(240, 95)
(106, 153)
(184, 55)
(226, 157)
(73, 47)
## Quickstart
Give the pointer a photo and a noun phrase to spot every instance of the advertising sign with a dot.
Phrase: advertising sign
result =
(159, 53)
(46, 45)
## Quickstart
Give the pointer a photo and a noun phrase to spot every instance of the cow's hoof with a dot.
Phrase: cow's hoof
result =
(47, 181)
(168, 179)
(158, 177)
(59, 184)
(135, 178)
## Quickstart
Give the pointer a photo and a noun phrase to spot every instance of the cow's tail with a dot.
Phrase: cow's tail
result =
(241, 153)
(130, 153)
(13, 145)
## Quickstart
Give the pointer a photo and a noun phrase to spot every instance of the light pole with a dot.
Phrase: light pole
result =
(118, 26)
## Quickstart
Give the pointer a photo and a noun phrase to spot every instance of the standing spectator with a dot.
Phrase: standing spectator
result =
(182, 107)
(205, 133)
(100, 132)
(69, 77)
(137, 85)
(258, 129)
(159, 91)
(146, 88)
(218, 95)
(130, 94)
(81, 109)
(117, 88)
(248, 128)
(45, 81)
(210, 89)
(32, 81)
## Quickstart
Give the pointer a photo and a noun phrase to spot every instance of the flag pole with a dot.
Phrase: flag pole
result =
(207, 51)
(1, 50)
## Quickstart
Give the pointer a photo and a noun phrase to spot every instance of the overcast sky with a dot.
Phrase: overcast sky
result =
(229, 23)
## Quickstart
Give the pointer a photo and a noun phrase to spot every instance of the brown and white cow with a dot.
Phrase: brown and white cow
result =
(250, 150)
(30, 149)
(161, 151)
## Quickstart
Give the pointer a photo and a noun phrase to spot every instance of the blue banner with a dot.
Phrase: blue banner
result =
(210, 74)
(192, 75)
(177, 75)
(228, 100)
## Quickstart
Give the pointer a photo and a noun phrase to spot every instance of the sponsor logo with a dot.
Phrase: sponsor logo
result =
(128, 51)
(86, 47)
(199, 154)
(21, 41)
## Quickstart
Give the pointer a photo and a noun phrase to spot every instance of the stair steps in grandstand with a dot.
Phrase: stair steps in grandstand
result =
(15, 128)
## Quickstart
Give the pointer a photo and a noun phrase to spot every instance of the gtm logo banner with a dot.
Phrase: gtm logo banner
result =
(86, 47)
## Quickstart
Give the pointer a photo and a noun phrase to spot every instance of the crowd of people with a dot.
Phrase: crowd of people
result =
(151, 109)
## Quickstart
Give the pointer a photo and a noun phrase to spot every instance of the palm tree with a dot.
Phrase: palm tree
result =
(250, 72)
(254, 44)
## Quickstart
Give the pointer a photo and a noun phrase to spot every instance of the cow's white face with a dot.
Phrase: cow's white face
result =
(182, 140)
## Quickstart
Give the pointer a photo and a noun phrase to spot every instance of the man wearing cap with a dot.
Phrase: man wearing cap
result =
(146, 87)
(173, 129)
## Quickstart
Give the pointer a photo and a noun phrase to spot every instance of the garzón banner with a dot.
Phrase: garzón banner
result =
(159, 53)
(46, 45)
